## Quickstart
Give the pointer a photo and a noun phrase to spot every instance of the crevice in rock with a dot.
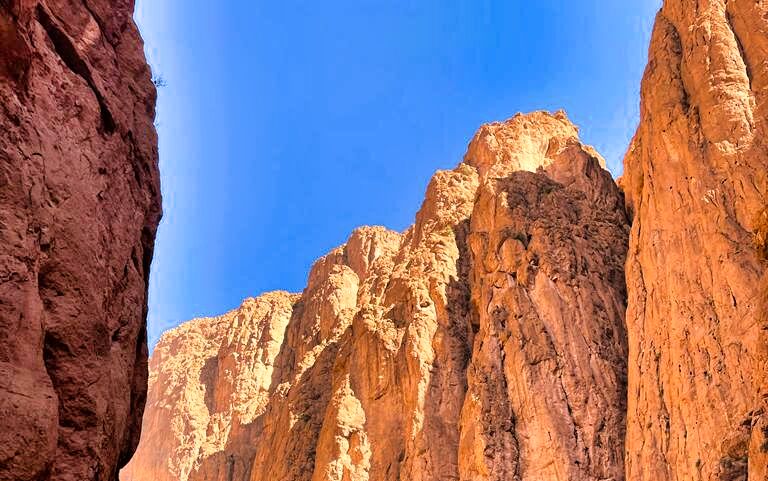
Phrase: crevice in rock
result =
(147, 249)
(675, 46)
(67, 51)
(740, 45)
(761, 235)
(52, 346)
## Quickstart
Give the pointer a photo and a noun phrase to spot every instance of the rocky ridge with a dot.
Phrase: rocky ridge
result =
(490, 341)
(446, 352)
(486, 342)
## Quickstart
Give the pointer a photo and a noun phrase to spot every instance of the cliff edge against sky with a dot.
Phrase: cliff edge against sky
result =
(487, 341)
(537, 321)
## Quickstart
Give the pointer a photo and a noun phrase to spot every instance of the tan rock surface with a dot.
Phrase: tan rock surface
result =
(387, 369)
(486, 342)
(79, 206)
(547, 376)
(696, 185)
(209, 377)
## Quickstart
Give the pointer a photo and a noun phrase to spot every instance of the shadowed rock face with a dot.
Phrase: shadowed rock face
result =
(696, 187)
(547, 377)
(79, 206)
(486, 342)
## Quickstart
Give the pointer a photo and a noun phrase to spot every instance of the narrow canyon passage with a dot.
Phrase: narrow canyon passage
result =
(537, 321)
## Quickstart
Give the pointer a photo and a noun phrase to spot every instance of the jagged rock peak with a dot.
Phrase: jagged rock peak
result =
(445, 352)
(524, 142)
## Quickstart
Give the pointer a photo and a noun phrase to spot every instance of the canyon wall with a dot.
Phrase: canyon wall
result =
(486, 342)
(79, 207)
(219, 383)
(489, 340)
(695, 182)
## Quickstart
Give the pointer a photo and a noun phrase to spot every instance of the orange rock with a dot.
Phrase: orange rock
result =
(208, 378)
(547, 376)
(393, 365)
(486, 342)
(696, 185)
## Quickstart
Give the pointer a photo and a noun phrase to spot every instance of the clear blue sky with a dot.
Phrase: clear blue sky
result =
(286, 124)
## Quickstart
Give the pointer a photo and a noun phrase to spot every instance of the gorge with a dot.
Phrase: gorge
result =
(538, 321)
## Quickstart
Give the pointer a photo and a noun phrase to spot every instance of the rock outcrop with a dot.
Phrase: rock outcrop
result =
(486, 342)
(696, 187)
(210, 376)
(549, 361)
(79, 207)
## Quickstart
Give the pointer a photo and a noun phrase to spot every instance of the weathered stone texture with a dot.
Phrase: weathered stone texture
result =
(695, 181)
(396, 364)
(79, 207)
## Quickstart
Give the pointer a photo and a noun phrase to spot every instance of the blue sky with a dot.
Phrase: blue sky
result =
(284, 125)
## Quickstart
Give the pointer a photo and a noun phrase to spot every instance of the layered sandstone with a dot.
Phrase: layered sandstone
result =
(486, 342)
(696, 187)
(79, 206)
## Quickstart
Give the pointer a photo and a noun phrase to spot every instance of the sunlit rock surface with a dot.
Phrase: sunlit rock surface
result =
(695, 181)
(486, 342)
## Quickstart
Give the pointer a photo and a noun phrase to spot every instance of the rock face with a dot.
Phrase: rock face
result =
(696, 188)
(210, 376)
(548, 365)
(79, 206)
(486, 342)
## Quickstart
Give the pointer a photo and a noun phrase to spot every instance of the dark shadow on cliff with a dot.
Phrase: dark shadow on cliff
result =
(448, 383)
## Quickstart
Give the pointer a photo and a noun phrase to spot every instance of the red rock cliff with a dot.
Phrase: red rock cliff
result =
(696, 187)
(79, 206)
(486, 342)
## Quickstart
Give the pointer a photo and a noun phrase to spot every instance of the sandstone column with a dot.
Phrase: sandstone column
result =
(695, 181)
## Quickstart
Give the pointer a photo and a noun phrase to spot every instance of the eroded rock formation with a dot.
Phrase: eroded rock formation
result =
(695, 181)
(486, 342)
(79, 206)
(210, 376)
(548, 365)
